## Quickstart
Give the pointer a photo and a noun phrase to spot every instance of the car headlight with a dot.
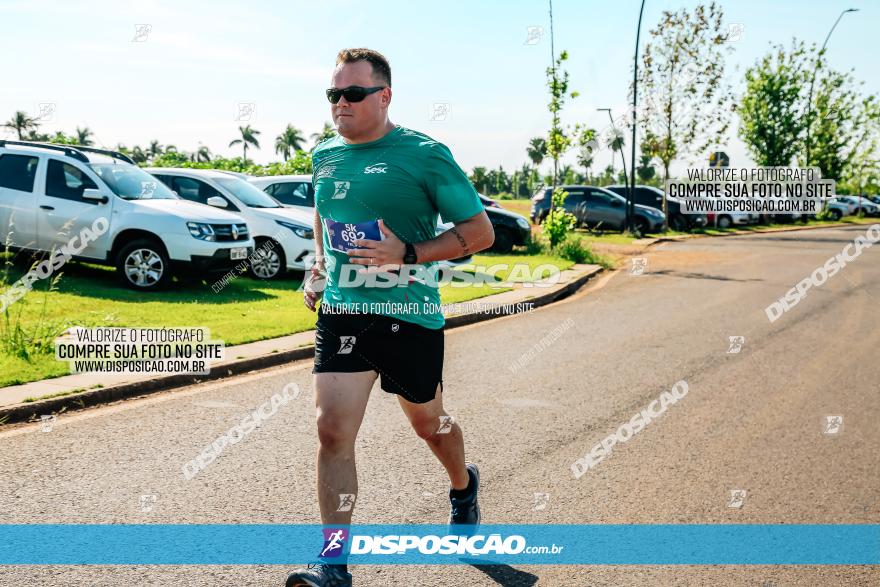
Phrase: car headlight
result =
(655, 213)
(522, 222)
(201, 231)
(298, 229)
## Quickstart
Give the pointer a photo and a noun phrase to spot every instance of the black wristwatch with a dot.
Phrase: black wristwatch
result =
(409, 258)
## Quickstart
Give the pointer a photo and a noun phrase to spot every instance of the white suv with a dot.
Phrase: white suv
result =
(49, 194)
(283, 236)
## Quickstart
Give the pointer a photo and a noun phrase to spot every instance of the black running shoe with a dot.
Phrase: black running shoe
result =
(319, 575)
(467, 510)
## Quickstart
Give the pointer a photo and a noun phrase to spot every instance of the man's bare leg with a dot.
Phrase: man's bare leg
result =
(341, 400)
(448, 445)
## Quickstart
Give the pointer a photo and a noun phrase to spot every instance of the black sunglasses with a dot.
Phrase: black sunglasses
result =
(351, 93)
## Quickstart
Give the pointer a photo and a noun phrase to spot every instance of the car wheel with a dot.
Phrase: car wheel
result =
(641, 226)
(724, 222)
(503, 241)
(835, 214)
(268, 262)
(678, 223)
(143, 265)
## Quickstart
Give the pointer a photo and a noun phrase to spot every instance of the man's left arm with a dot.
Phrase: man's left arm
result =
(466, 237)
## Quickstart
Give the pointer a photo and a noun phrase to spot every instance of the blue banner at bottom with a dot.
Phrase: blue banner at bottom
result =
(285, 544)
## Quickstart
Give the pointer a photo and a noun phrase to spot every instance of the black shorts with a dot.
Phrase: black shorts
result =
(408, 357)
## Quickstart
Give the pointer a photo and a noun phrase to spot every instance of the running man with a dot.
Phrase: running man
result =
(379, 188)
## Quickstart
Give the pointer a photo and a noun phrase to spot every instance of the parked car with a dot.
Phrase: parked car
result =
(489, 202)
(597, 207)
(851, 204)
(283, 236)
(836, 209)
(855, 202)
(728, 219)
(296, 191)
(50, 193)
(647, 195)
(290, 190)
(510, 228)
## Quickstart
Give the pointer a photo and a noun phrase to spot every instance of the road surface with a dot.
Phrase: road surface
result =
(751, 421)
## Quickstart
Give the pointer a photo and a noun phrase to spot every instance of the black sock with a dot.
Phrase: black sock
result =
(467, 491)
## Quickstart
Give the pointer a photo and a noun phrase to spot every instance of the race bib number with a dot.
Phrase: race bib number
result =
(343, 234)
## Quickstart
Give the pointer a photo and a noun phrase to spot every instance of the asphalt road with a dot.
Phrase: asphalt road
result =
(751, 421)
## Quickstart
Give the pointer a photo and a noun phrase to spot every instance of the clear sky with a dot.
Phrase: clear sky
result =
(181, 80)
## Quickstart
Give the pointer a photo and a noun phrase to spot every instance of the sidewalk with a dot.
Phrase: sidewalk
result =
(99, 388)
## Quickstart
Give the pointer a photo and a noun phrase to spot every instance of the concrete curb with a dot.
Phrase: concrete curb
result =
(31, 411)
(685, 237)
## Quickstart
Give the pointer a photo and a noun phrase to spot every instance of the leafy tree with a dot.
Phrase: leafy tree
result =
(478, 178)
(21, 123)
(248, 137)
(844, 124)
(289, 140)
(772, 121)
(687, 105)
(558, 222)
(648, 150)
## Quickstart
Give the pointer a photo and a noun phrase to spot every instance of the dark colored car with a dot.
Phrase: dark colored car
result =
(489, 202)
(647, 195)
(597, 207)
(510, 228)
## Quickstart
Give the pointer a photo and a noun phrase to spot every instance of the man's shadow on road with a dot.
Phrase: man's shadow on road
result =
(503, 574)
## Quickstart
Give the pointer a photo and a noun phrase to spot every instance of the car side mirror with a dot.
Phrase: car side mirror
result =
(94, 195)
(217, 202)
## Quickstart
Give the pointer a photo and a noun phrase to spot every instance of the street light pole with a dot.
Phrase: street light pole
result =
(623, 162)
(813, 80)
(630, 207)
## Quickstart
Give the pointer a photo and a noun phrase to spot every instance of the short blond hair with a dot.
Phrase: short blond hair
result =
(381, 68)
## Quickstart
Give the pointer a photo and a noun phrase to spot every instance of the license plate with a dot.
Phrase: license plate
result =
(238, 253)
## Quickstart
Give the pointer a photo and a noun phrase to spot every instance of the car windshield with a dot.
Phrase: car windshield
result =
(132, 183)
(249, 195)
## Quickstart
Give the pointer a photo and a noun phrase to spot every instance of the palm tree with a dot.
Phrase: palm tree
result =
(21, 123)
(536, 150)
(326, 133)
(154, 150)
(82, 136)
(247, 137)
(290, 139)
(203, 153)
(138, 155)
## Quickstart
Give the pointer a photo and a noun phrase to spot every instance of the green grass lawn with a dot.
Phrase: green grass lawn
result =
(245, 310)
(522, 206)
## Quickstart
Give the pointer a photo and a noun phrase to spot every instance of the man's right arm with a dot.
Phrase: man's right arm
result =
(312, 294)
(319, 239)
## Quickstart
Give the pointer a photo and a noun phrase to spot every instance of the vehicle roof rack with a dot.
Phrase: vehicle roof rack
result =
(108, 152)
(66, 149)
(75, 151)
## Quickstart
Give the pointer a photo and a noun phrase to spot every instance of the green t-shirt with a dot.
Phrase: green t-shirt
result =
(407, 179)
